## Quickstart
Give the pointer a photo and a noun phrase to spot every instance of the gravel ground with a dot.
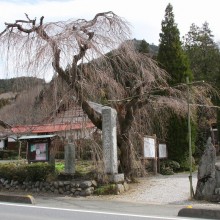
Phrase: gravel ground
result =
(159, 189)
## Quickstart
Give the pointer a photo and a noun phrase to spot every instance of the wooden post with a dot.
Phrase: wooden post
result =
(158, 164)
(19, 151)
(155, 166)
(27, 152)
(156, 158)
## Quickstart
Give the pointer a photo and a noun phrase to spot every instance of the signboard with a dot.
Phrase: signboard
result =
(149, 147)
(38, 151)
(162, 151)
(2, 144)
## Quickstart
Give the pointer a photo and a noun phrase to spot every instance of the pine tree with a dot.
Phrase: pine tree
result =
(172, 58)
(204, 56)
(203, 53)
(143, 47)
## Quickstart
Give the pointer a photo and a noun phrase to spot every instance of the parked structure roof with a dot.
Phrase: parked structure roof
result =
(27, 137)
(50, 128)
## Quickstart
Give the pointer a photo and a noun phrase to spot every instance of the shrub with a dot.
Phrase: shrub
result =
(38, 171)
(8, 154)
(59, 167)
(177, 140)
(26, 172)
(185, 166)
(168, 167)
(105, 189)
(7, 170)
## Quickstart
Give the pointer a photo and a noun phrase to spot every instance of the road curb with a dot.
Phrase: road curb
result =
(200, 213)
(28, 199)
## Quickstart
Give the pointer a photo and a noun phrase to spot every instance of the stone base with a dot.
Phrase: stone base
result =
(116, 178)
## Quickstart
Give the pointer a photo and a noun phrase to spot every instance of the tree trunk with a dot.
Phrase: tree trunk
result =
(126, 155)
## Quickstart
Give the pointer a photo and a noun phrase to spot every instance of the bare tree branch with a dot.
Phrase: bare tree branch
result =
(99, 62)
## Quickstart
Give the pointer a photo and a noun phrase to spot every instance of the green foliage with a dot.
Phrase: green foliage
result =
(38, 171)
(204, 57)
(143, 47)
(84, 166)
(203, 53)
(185, 166)
(26, 172)
(177, 139)
(59, 167)
(84, 169)
(203, 132)
(8, 170)
(171, 56)
(8, 154)
(173, 59)
(105, 189)
(168, 167)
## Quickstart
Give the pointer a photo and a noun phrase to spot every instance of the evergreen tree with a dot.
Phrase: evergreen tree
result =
(203, 53)
(143, 47)
(171, 56)
(204, 58)
(173, 59)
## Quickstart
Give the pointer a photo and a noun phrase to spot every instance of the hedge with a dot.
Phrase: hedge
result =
(26, 172)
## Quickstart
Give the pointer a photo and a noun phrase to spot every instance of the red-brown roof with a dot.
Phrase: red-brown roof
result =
(50, 128)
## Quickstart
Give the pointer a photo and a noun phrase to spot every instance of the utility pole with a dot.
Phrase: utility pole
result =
(189, 138)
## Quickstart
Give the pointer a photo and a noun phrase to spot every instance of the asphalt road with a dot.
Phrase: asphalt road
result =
(10, 211)
(134, 208)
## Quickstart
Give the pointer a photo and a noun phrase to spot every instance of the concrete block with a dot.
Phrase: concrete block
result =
(28, 199)
(117, 178)
(200, 213)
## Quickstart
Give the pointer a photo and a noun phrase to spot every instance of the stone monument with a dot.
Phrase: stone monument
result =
(109, 140)
(69, 157)
(206, 173)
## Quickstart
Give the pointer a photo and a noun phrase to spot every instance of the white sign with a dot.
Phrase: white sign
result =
(149, 147)
(162, 151)
(2, 144)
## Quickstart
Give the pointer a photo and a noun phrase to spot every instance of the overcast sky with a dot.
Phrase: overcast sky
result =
(145, 16)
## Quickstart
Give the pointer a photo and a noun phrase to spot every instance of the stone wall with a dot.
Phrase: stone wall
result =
(69, 188)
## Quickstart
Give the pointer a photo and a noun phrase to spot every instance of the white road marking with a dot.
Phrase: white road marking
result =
(93, 212)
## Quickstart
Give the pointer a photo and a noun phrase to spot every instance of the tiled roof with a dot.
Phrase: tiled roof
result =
(50, 128)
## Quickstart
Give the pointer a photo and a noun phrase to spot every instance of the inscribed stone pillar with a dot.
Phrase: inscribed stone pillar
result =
(69, 157)
(206, 173)
(109, 140)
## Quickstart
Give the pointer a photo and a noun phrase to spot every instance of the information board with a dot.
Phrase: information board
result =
(38, 152)
(149, 147)
(162, 151)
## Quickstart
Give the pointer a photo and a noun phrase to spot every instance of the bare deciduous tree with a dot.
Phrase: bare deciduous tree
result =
(124, 79)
